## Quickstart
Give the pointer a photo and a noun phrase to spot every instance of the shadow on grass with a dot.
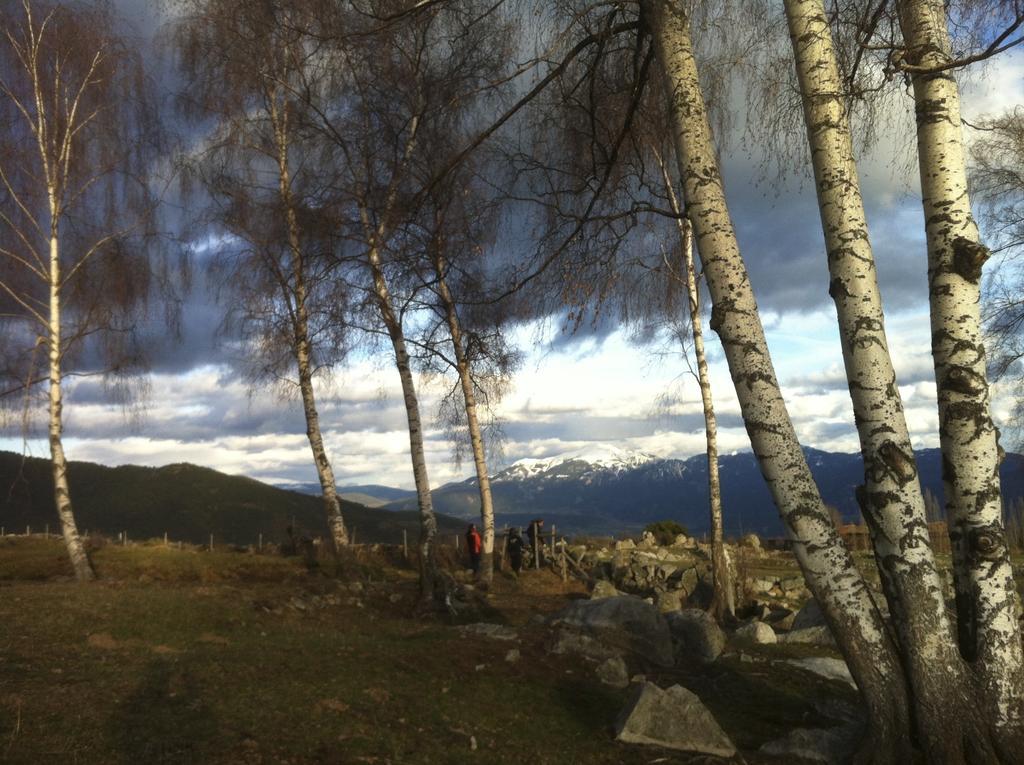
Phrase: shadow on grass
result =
(164, 720)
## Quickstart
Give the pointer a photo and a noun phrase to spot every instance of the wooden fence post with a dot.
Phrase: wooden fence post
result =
(552, 540)
(261, 542)
(211, 542)
(405, 544)
(28, 531)
(165, 539)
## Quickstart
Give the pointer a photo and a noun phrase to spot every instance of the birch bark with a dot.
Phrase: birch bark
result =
(462, 366)
(723, 598)
(296, 297)
(61, 490)
(827, 564)
(890, 497)
(428, 521)
(987, 604)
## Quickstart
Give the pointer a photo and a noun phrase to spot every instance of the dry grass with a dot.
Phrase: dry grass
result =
(188, 657)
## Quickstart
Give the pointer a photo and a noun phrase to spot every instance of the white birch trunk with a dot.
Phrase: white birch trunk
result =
(987, 604)
(302, 349)
(428, 521)
(472, 422)
(891, 498)
(723, 601)
(827, 564)
(61, 490)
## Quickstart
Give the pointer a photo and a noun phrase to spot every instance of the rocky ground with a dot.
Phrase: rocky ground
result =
(184, 656)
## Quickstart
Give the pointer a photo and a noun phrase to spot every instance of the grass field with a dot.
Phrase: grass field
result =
(188, 657)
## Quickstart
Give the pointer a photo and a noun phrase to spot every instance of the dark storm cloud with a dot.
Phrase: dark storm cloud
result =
(776, 221)
(780, 236)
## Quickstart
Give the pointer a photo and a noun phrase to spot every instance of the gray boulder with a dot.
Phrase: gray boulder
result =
(669, 601)
(809, 616)
(810, 636)
(696, 635)
(825, 666)
(603, 589)
(572, 642)
(756, 632)
(613, 672)
(625, 623)
(830, 745)
(752, 541)
(674, 718)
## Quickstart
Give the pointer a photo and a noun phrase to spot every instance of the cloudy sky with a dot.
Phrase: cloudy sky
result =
(570, 392)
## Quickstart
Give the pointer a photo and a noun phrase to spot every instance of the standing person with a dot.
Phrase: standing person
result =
(535, 534)
(516, 543)
(473, 545)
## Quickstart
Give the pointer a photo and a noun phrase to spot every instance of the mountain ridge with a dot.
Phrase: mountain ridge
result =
(625, 494)
(188, 502)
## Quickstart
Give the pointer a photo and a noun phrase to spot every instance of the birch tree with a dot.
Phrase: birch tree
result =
(723, 593)
(408, 81)
(73, 207)
(987, 604)
(827, 564)
(456, 232)
(891, 498)
(258, 167)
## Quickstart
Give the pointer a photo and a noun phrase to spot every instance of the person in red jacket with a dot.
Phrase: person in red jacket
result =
(474, 545)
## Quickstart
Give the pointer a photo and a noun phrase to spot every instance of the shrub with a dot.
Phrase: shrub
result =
(665, 532)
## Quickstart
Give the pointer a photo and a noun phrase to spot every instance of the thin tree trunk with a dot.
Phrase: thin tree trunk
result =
(987, 604)
(722, 602)
(302, 349)
(723, 597)
(826, 562)
(61, 491)
(472, 421)
(428, 521)
(891, 498)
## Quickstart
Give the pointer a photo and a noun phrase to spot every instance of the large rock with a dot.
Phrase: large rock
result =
(667, 602)
(810, 636)
(829, 745)
(603, 589)
(825, 666)
(752, 541)
(809, 616)
(569, 641)
(625, 622)
(756, 632)
(674, 718)
(696, 634)
(613, 672)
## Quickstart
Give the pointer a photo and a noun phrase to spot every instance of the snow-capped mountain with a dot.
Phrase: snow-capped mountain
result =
(582, 463)
(607, 490)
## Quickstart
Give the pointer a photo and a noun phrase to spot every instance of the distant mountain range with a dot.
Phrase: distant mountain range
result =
(186, 501)
(607, 490)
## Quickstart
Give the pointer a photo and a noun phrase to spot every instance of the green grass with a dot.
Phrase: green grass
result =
(185, 657)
